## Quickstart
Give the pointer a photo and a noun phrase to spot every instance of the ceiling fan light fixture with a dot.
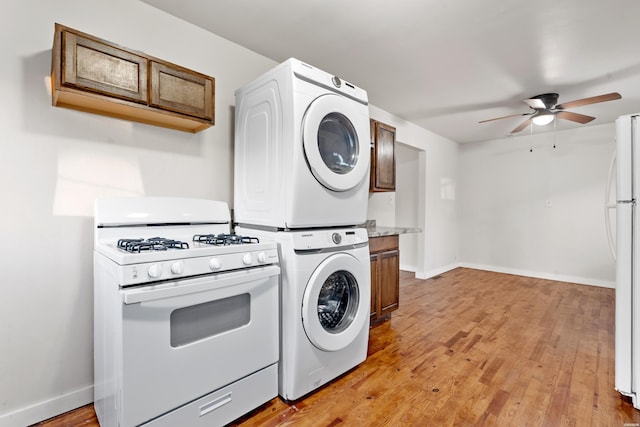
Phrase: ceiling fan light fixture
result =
(545, 110)
(543, 119)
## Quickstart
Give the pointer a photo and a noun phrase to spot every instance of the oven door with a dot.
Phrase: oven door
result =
(184, 339)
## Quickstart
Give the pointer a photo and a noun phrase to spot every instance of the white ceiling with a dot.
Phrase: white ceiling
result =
(445, 65)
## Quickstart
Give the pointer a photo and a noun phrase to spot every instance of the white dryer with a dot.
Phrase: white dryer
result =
(325, 302)
(301, 150)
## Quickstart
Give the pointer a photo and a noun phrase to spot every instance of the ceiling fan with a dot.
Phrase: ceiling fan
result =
(546, 109)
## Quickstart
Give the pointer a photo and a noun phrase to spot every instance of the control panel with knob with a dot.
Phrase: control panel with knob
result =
(155, 271)
(337, 238)
(215, 264)
(232, 258)
(177, 267)
(321, 239)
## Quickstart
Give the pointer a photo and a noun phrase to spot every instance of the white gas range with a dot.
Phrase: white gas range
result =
(186, 314)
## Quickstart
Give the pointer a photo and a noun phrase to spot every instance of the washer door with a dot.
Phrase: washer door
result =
(336, 142)
(336, 302)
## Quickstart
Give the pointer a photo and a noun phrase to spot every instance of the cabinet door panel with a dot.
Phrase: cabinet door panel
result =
(182, 91)
(89, 64)
(385, 157)
(374, 285)
(389, 281)
(372, 148)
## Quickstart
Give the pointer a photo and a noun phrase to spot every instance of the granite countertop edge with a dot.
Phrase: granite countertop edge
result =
(379, 231)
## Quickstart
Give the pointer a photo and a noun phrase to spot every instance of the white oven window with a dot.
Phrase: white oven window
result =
(197, 322)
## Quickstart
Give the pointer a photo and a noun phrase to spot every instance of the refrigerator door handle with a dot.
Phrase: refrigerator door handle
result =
(608, 206)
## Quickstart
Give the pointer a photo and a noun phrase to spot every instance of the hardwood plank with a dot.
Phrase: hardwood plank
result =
(470, 347)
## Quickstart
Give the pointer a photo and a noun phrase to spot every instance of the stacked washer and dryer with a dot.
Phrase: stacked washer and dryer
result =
(302, 180)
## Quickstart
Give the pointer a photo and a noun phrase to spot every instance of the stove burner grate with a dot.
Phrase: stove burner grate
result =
(169, 243)
(151, 244)
(224, 239)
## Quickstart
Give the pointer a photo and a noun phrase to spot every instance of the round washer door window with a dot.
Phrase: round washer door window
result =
(336, 141)
(336, 302)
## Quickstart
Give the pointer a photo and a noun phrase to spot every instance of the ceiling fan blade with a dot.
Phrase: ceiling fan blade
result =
(586, 101)
(522, 126)
(505, 117)
(574, 117)
(535, 103)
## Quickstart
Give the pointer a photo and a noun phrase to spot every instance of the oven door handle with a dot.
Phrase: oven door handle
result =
(192, 285)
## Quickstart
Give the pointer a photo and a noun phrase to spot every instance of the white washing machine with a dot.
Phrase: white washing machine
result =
(325, 304)
(301, 150)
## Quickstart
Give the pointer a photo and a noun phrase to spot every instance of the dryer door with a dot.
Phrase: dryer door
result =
(336, 301)
(336, 141)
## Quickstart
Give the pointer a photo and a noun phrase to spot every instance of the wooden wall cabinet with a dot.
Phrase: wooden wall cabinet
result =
(383, 160)
(93, 75)
(385, 276)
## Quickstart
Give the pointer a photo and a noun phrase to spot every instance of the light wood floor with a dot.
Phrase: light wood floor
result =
(470, 348)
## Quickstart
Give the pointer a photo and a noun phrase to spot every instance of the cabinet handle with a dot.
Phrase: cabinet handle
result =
(215, 404)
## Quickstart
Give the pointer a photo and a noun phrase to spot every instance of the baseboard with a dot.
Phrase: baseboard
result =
(541, 275)
(47, 409)
(410, 268)
(436, 271)
(519, 272)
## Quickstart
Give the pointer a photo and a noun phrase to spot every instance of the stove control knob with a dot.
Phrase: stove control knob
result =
(262, 257)
(177, 267)
(155, 271)
(215, 264)
(246, 259)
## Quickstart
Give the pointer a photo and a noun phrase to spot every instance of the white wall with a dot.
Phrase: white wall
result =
(401, 208)
(436, 188)
(382, 208)
(504, 221)
(407, 197)
(55, 161)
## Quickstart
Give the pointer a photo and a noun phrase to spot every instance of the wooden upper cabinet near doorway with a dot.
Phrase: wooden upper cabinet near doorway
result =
(93, 75)
(383, 160)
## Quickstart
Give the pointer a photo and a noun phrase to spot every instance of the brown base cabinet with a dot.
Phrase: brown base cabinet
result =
(385, 276)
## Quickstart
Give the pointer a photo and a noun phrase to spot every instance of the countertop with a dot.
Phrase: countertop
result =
(378, 231)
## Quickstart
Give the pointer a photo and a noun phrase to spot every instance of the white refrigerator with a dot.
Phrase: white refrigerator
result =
(627, 339)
